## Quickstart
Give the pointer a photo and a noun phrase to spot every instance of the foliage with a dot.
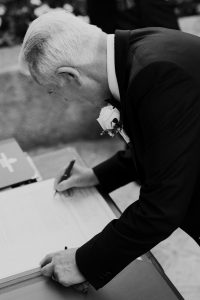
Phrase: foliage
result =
(15, 16)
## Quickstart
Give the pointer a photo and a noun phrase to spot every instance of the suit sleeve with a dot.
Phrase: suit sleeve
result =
(116, 171)
(169, 117)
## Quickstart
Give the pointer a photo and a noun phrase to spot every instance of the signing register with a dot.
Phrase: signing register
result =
(35, 221)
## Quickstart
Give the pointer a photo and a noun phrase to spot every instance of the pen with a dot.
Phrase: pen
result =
(67, 173)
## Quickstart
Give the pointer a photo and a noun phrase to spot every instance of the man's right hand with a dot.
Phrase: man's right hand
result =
(81, 176)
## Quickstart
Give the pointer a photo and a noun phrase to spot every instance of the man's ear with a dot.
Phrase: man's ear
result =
(69, 75)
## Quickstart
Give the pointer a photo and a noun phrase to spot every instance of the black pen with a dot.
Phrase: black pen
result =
(67, 173)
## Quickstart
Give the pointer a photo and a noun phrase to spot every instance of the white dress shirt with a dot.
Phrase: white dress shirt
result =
(112, 79)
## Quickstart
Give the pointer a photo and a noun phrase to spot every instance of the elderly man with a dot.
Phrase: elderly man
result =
(153, 76)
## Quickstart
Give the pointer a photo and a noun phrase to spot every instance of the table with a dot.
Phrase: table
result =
(141, 280)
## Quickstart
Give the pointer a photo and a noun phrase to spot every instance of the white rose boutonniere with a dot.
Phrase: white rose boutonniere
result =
(109, 120)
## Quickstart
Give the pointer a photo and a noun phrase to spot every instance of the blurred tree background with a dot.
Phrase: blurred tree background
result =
(15, 16)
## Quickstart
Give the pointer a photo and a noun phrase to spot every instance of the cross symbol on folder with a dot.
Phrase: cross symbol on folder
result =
(6, 162)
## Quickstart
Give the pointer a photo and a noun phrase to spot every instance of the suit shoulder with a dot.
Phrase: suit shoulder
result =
(155, 74)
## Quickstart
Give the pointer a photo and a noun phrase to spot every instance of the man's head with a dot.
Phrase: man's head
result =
(67, 56)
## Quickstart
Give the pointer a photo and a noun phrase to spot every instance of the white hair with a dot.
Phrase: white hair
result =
(55, 39)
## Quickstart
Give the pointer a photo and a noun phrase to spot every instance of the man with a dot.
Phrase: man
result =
(131, 14)
(154, 76)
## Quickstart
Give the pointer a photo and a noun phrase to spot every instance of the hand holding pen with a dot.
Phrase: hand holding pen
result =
(65, 175)
(75, 176)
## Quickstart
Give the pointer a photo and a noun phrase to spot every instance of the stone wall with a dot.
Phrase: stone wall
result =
(34, 118)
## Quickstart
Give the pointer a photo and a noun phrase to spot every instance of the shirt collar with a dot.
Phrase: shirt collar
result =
(112, 79)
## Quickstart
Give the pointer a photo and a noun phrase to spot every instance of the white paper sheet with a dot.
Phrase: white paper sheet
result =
(33, 223)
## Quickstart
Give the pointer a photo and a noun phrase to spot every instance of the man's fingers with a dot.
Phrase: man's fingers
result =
(48, 270)
(61, 173)
(66, 184)
(47, 259)
(58, 178)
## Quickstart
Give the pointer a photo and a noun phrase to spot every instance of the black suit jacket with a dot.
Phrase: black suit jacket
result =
(158, 72)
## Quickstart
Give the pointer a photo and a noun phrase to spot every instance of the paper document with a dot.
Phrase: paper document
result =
(34, 223)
